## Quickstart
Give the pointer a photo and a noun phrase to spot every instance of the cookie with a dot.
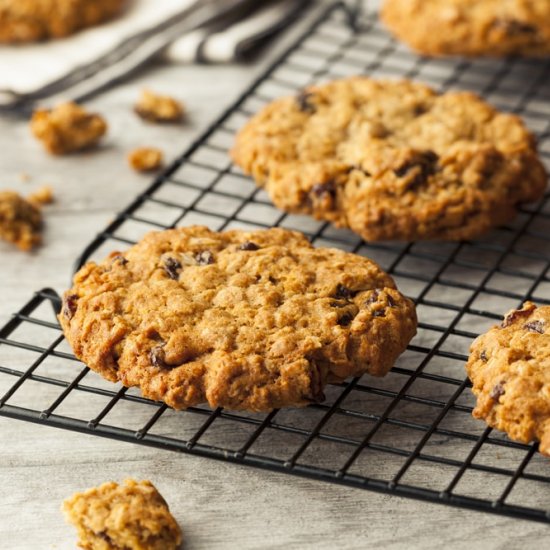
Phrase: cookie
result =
(145, 159)
(21, 219)
(243, 320)
(392, 159)
(133, 516)
(67, 128)
(509, 367)
(158, 108)
(35, 20)
(471, 27)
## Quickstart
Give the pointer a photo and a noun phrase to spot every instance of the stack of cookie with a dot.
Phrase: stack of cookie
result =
(261, 320)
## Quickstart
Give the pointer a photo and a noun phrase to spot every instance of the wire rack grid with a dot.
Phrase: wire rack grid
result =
(410, 433)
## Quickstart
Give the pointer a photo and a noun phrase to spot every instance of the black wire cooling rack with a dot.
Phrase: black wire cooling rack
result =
(410, 433)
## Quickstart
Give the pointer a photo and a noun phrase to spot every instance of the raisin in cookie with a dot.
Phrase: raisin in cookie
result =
(243, 320)
(471, 27)
(67, 128)
(509, 367)
(35, 20)
(133, 516)
(392, 160)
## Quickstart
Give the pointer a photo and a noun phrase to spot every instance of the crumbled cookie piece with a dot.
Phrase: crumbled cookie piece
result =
(133, 516)
(471, 27)
(67, 128)
(21, 219)
(146, 159)
(43, 195)
(392, 159)
(158, 108)
(509, 367)
(35, 20)
(243, 320)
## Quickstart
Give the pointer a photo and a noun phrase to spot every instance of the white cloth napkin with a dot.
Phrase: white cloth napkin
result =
(24, 69)
(95, 58)
(223, 44)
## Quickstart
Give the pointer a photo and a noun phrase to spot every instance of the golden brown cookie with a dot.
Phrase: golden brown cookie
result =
(392, 159)
(158, 108)
(145, 159)
(243, 320)
(471, 27)
(67, 128)
(509, 367)
(21, 219)
(133, 516)
(35, 20)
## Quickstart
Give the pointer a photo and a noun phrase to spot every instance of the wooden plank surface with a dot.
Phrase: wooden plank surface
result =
(219, 505)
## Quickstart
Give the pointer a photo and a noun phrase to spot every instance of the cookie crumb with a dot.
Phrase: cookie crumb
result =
(20, 220)
(133, 516)
(43, 195)
(158, 108)
(67, 128)
(145, 159)
(24, 177)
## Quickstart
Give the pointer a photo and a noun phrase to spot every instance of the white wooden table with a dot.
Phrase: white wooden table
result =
(219, 505)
